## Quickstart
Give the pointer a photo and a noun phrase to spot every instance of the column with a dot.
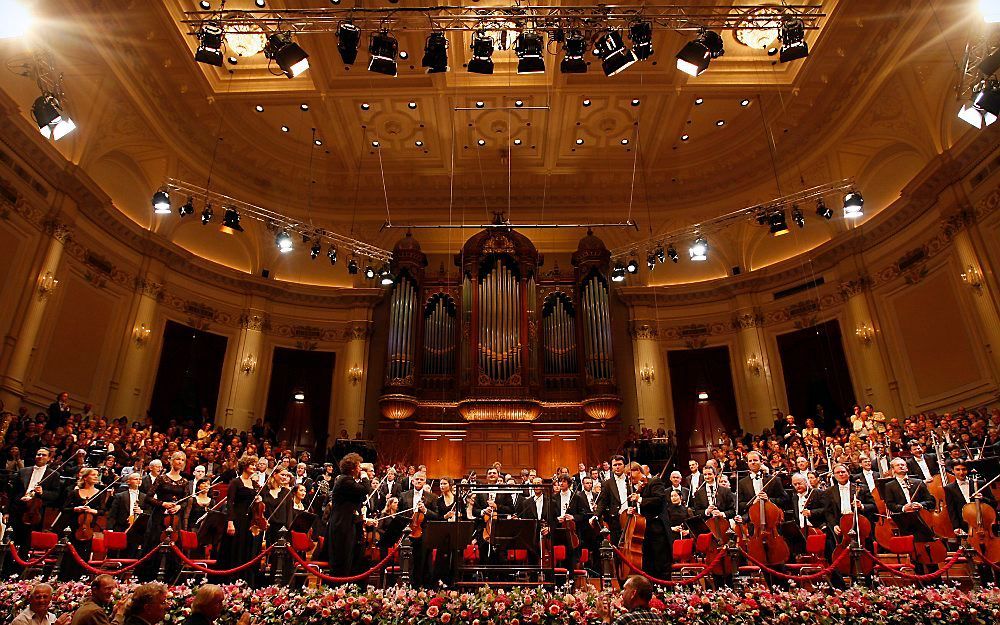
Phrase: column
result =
(244, 383)
(131, 386)
(652, 378)
(753, 362)
(874, 380)
(970, 249)
(17, 359)
(350, 381)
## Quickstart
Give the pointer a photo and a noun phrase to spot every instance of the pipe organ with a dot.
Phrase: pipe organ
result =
(502, 339)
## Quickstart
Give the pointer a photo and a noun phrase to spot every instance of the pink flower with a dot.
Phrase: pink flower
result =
(433, 611)
(446, 617)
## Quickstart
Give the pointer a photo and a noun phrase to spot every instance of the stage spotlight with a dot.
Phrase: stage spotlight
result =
(315, 250)
(823, 210)
(210, 38)
(383, 47)
(289, 56)
(798, 217)
(352, 267)
(641, 34)
(161, 202)
(699, 250)
(482, 52)
(990, 64)
(793, 40)
(651, 261)
(231, 222)
(530, 48)
(15, 19)
(284, 242)
(187, 208)
(574, 48)
(661, 256)
(615, 57)
(385, 276)
(369, 272)
(207, 214)
(52, 121)
(332, 255)
(779, 225)
(618, 273)
(672, 253)
(348, 39)
(985, 107)
(632, 266)
(436, 53)
(695, 56)
(853, 205)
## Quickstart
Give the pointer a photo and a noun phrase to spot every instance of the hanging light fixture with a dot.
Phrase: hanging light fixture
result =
(530, 48)
(230, 222)
(985, 106)
(289, 56)
(823, 210)
(369, 272)
(651, 261)
(210, 39)
(284, 242)
(793, 40)
(695, 56)
(641, 34)
(436, 53)
(779, 225)
(244, 38)
(632, 266)
(699, 249)
(352, 267)
(615, 56)
(332, 255)
(315, 250)
(385, 276)
(15, 19)
(797, 216)
(384, 48)
(52, 120)
(853, 205)
(482, 53)
(161, 202)
(348, 40)
(618, 273)
(672, 253)
(206, 214)
(574, 47)
(187, 208)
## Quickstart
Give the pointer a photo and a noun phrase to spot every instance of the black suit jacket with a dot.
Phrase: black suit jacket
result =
(895, 499)
(775, 492)
(652, 501)
(550, 513)
(833, 502)
(57, 416)
(686, 480)
(609, 502)
(913, 469)
(406, 503)
(815, 503)
(51, 487)
(955, 501)
(724, 501)
(119, 512)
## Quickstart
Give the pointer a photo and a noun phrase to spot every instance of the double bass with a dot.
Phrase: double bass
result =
(633, 533)
(938, 519)
(982, 518)
(765, 542)
(862, 529)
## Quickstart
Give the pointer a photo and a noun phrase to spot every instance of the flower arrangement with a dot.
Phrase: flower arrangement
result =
(352, 605)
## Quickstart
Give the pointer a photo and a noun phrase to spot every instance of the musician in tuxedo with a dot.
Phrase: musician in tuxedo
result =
(908, 494)
(758, 485)
(961, 492)
(416, 499)
(582, 509)
(613, 499)
(494, 503)
(920, 465)
(39, 481)
(59, 411)
(649, 498)
(840, 499)
(123, 506)
(802, 515)
(676, 484)
(713, 500)
(581, 474)
(539, 506)
(155, 469)
(867, 475)
(694, 478)
(565, 502)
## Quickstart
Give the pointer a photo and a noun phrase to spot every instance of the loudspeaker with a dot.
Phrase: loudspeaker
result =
(265, 273)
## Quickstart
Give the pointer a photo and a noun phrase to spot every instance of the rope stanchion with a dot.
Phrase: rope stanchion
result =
(897, 570)
(798, 578)
(96, 571)
(26, 563)
(667, 582)
(203, 569)
(312, 568)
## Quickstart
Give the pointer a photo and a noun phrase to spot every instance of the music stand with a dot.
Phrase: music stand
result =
(514, 533)
(303, 522)
(697, 525)
(448, 537)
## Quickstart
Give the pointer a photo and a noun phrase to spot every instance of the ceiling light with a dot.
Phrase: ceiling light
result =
(231, 222)
(672, 253)
(618, 273)
(15, 19)
(699, 101)
(702, 395)
(187, 208)
(720, 122)
(615, 57)
(418, 143)
(660, 256)
(518, 103)
(853, 205)
(318, 142)
(411, 105)
(315, 250)
(695, 56)
(772, 51)
(383, 47)
(986, 100)
(161, 202)
(233, 60)
(299, 396)
(369, 272)
(779, 225)
(517, 142)
(436, 53)
(304, 106)
(990, 10)
(403, 54)
(798, 217)
(289, 56)
(480, 104)
(698, 250)
(586, 102)
(332, 255)
(352, 267)
(348, 39)
(481, 142)
(823, 210)
(244, 38)
(375, 144)
(284, 129)
(632, 266)
(529, 47)
(651, 261)
(745, 102)
(635, 102)
(793, 40)
(641, 34)
(579, 141)
(260, 3)
(209, 49)
(975, 117)
(482, 51)
(624, 141)
(52, 121)
(284, 242)
(207, 214)
(365, 106)
(259, 108)
(205, 5)
(685, 137)
(574, 48)
(385, 276)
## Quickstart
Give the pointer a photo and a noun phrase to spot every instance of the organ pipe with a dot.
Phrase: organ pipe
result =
(499, 324)
(597, 322)
(400, 355)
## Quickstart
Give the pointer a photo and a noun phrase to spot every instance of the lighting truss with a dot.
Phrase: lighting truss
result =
(679, 17)
(274, 219)
(628, 223)
(748, 212)
(982, 43)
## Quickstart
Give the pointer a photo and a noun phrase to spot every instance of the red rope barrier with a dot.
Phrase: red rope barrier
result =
(314, 569)
(26, 563)
(799, 578)
(897, 570)
(666, 582)
(96, 571)
(201, 569)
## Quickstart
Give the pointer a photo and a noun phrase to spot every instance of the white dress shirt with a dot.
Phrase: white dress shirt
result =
(695, 481)
(27, 617)
(869, 479)
(564, 498)
(922, 463)
(906, 489)
(37, 473)
(803, 521)
(845, 498)
(538, 506)
(622, 487)
(963, 487)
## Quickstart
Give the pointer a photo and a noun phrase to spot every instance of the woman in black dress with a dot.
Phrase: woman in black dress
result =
(277, 498)
(238, 545)
(675, 514)
(344, 533)
(84, 499)
(198, 506)
(165, 491)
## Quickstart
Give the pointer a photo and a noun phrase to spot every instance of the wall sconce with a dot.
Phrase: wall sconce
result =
(647, 374)
(46, 285)
(140, 334)
(354, 375)
(249, 364)
(972, 277)
(865, 333)
(754, 364)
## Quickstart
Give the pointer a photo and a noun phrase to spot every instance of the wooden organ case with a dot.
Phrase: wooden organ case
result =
(502, 361)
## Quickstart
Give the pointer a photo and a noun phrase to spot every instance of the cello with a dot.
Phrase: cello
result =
(765, 543)
(633, 533)
(862, 529)
(938, 519)
(981, 518)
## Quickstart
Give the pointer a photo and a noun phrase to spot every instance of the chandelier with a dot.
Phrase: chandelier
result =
(243, 38)
(761, 32)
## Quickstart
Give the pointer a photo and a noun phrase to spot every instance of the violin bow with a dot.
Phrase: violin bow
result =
(186, 497)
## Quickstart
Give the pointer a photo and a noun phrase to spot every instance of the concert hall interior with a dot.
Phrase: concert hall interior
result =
(494, 241)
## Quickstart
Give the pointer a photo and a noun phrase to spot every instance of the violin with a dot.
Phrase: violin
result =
(765, 542)
(258, 523)
(85, 526)
(32, 511)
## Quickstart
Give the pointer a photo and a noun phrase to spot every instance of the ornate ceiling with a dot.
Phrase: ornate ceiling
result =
(876, 89)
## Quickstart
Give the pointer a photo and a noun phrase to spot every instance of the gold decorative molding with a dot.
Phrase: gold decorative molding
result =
(644, 330)
(251, 320)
